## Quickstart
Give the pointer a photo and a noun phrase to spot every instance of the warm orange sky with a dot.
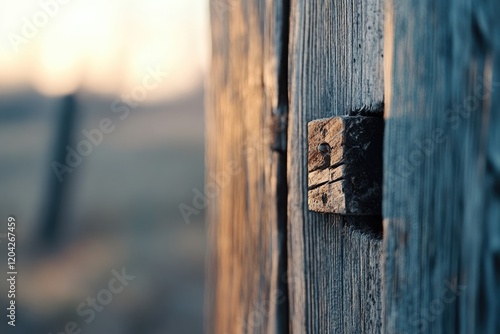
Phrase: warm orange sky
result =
(103, 45)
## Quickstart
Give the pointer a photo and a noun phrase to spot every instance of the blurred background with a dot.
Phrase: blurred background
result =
(101, 140)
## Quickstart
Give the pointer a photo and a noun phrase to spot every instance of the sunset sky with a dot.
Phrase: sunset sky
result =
(104, 46)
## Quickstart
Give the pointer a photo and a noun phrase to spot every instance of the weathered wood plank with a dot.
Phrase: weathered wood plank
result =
(336, 68)
(246, 130)
(345, 165)
(442, 167)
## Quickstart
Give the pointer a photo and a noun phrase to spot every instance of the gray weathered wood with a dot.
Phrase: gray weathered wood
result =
(441, 248)
(336, 67)
(442, 167)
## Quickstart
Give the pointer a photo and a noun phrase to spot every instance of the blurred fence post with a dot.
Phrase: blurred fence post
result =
(57, 190)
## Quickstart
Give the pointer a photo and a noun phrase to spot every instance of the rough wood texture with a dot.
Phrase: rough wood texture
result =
(442, 167)
(345, 165)
(246, 130)
(336, 67)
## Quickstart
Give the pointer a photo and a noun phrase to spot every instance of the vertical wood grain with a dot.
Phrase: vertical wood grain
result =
(336, 68)
(247, 108)
(442, 167)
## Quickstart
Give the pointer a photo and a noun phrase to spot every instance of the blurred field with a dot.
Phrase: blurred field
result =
(121, 210)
